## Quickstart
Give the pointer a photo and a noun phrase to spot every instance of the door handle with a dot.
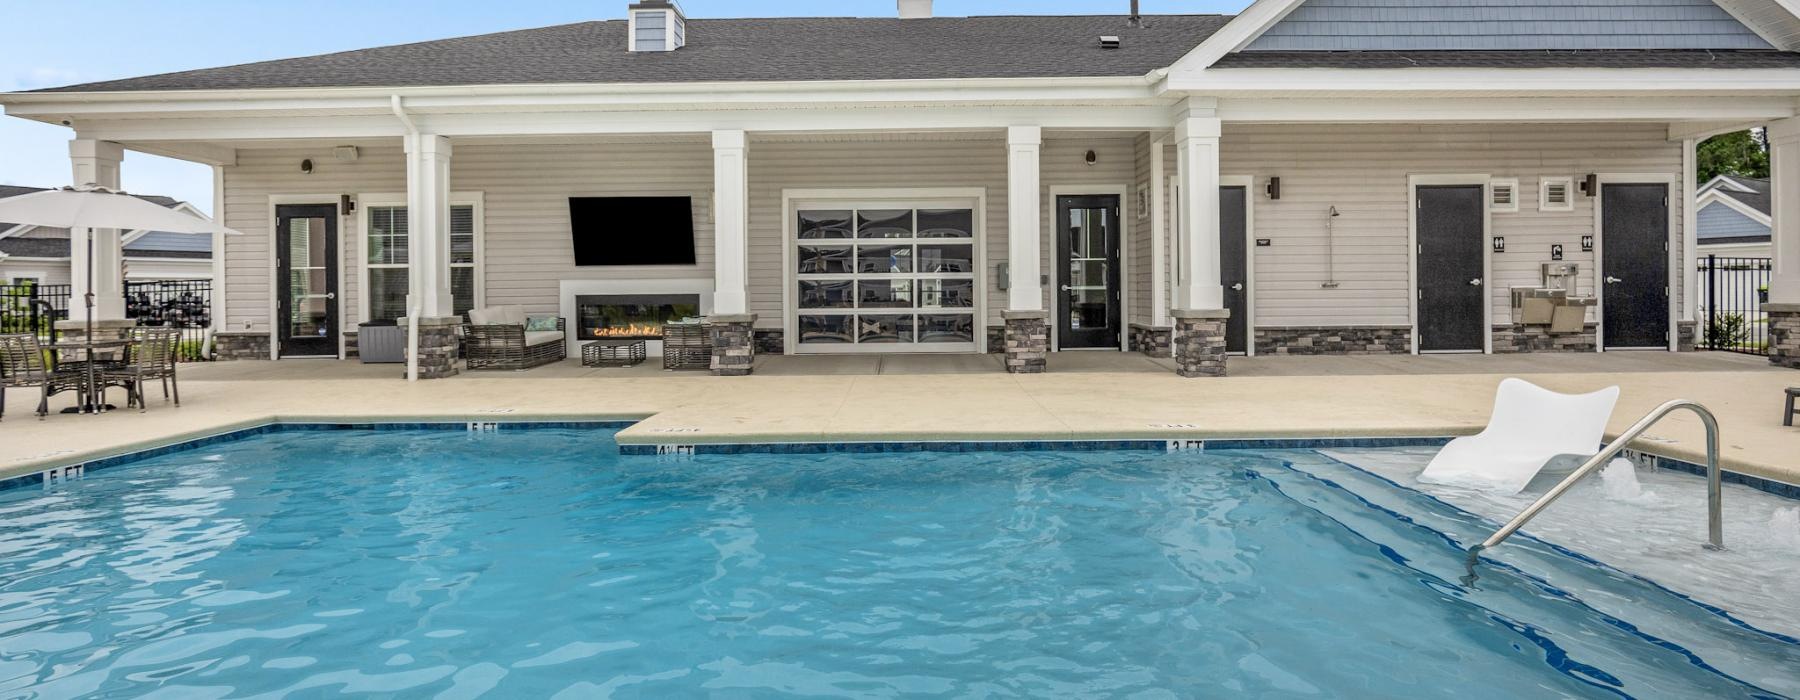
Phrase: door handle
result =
(1475, 282)
(331, 295)
(1613, 280)
(1237, 287)
(1065, 287)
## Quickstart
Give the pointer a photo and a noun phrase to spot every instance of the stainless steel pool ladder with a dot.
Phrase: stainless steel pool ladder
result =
(1714, 520)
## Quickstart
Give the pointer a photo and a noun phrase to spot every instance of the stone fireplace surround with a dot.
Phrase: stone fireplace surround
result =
(568, 290)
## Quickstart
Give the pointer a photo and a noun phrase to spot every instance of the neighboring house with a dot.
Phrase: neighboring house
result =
(1735, 217)
(41, 254)
(1308, 176)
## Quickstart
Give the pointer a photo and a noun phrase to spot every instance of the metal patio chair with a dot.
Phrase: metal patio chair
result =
(23, 364)
(151, 357)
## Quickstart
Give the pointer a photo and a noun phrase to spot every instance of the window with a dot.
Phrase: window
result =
(1505, 194)
(1556, 194)
(885, 278)
(650, 30)
(386, 256)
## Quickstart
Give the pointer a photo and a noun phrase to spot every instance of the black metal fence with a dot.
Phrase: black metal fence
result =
(183, 304)
(1732, 292)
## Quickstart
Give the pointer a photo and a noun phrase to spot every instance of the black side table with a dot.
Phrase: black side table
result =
(613, 353)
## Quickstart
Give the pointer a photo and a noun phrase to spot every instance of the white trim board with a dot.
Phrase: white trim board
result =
(1413, 182)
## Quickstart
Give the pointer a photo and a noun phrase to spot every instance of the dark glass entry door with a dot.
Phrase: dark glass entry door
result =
(1635, 281)
(1234, 265)
(1450, 222)
(1087, 245)
(306, 280)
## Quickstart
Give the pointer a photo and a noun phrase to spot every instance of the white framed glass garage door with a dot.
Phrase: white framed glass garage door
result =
(885, 276)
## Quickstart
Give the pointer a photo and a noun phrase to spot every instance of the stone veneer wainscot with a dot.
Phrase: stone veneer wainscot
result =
(1784, 334)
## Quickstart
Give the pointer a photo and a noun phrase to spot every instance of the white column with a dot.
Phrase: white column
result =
(97, 163)
(1159, 233)
(1690, 230)
(428, 224)
(731, 223)
(1784, 182)
(1198, 286)
(1024, 214)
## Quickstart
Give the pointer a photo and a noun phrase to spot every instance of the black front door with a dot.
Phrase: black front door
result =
(1234, 265)
(306, 280)
(1635, 281)
(1450, 270)
(1087, 245)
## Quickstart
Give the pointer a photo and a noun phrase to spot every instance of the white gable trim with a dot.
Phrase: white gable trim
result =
(1766, 18)
(1237, 34)
(1716, 197)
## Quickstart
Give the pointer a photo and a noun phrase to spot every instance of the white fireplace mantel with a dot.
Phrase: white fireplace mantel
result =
(569, 289)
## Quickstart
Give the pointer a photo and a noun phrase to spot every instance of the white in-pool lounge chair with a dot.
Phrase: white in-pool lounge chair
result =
(1531, 425)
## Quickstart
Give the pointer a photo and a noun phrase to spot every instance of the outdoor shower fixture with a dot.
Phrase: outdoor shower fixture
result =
(1331, 282)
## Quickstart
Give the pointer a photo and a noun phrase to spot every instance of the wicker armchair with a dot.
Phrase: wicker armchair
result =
(149, 358)
(22, 364)
(496, 339)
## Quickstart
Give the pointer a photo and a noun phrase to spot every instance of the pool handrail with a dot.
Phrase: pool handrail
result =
(1714, 478)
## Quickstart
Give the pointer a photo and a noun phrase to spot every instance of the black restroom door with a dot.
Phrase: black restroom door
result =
(1234, 266)
(1635, 278)
(1087, 244)
(306, 278)
(1450, 271)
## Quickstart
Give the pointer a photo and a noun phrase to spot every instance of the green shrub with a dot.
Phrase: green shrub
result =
(1728, 330)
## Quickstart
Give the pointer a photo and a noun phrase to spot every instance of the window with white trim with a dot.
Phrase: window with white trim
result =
(886, 277)
(1556, 194)
(1503, 194)
(386, 257)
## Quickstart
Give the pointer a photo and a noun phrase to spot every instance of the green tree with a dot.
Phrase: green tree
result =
(1741, 153)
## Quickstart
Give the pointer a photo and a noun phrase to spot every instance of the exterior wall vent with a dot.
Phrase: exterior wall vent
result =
(656, 25)
(1556, 194)
(1503, 195)
(1109, 42)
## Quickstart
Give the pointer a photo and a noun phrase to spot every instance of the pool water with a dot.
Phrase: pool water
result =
(539, 563)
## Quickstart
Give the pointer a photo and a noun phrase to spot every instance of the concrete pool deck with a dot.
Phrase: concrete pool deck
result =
(1085, 396)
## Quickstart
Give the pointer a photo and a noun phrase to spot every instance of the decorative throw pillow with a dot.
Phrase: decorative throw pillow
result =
(540, 323)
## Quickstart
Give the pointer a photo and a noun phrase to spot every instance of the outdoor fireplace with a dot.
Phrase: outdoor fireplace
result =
(631, 316)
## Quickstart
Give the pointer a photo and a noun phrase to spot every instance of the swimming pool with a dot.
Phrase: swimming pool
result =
(532, 563)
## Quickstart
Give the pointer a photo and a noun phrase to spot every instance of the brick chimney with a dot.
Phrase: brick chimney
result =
(915, 9)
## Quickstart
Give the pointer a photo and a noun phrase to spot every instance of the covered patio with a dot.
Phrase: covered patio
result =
(1087, 396)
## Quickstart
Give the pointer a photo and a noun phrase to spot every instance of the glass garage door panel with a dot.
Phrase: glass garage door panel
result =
(885, 279)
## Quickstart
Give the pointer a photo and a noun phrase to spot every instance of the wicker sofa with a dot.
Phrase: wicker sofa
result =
(499, 338)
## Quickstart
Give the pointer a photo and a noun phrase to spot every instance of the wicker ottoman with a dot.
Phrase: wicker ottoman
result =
(613, 353)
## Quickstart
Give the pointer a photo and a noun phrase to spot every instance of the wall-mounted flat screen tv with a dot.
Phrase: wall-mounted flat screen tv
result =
(614, 231)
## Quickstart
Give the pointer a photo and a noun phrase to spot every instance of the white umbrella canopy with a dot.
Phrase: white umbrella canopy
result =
(93, 207)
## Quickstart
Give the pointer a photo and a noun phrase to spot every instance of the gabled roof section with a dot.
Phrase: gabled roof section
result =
(1509, 25)
(732, 50)
(1752, 193)
(1750, 34)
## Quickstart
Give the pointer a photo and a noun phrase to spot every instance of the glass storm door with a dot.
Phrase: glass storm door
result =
(1087, 243)
(307, 321)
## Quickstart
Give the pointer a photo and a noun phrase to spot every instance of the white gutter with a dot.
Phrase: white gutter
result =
(412, 299)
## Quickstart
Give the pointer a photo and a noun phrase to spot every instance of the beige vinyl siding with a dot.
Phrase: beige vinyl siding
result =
(48, 272)
(1141, 295)
(263, 173)
(1064, 166)
(1363, 170)
(526, 191)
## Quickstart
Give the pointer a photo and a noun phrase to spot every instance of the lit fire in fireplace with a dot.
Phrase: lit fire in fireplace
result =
(634, 330)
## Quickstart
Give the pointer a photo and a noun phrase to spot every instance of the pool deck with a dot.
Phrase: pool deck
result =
(1085, 396)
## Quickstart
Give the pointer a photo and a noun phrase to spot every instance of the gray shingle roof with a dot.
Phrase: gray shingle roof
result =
(1659, 58)
(35, 247)
(1760, 199)
(732, 50)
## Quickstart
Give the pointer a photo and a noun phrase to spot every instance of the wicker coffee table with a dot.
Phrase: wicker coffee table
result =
(613, 353)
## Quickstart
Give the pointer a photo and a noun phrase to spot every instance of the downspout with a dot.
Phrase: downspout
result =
(412, 303)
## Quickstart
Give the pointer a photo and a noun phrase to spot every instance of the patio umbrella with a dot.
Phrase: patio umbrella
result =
(89, 207)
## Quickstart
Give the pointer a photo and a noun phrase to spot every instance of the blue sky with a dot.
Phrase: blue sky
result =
(70, 42)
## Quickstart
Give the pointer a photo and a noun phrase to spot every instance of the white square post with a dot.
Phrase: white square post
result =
(428, 224)
(1198, 286)
(1784, 183)
(96, 163)
(731, 223)
(1024, 214)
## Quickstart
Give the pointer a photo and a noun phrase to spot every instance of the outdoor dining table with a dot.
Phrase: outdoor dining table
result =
(91, 380)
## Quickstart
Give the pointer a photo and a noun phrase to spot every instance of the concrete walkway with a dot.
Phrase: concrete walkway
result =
(1085, 396)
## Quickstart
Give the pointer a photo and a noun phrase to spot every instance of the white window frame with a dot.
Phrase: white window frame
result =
(1511, 185)
(367, 203)
(674, 30)
(1568, 184)
(793, 201)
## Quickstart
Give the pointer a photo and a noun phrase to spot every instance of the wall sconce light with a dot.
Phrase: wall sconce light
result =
(1590, 185)
(1092, 158)
(1274, 188)
(1499, 244)
(346, 205)
(306, 167)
